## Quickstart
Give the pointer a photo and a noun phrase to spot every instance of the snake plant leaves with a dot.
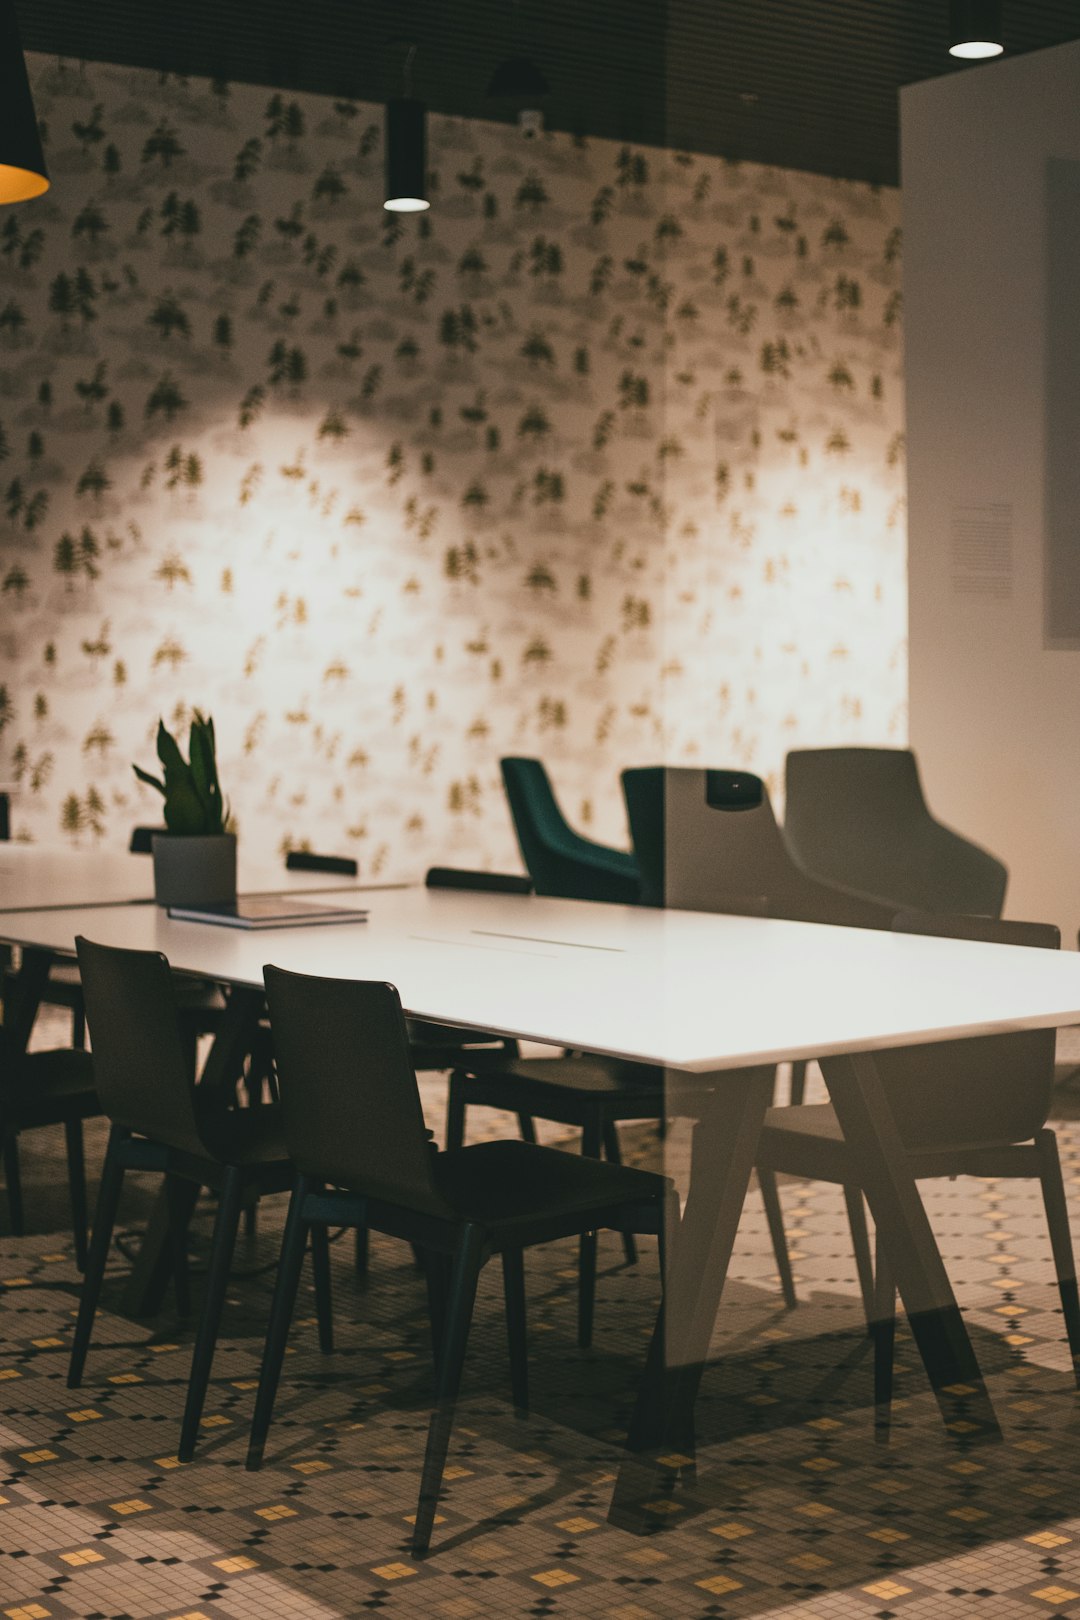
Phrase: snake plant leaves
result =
(192, 793)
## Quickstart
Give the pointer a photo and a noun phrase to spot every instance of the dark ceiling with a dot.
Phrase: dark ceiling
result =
(808, 84)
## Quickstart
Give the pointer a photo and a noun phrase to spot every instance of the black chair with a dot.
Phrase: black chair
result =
(858, 817)
(46, 1088)
(707, 840)
(305, 860)
(354, 1126)
(974, 1107)
(559, 860)
(160, 1120)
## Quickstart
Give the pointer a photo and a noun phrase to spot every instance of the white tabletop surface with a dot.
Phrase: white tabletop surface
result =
(693, 991)
(38, 875)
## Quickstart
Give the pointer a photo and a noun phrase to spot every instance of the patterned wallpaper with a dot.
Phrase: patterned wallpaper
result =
(600, 460)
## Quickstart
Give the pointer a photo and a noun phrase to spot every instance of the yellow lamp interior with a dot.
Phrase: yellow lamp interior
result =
(17, 185)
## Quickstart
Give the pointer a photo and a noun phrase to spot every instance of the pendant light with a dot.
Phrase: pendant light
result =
(406, 150)
(975, 31)
(22, 162)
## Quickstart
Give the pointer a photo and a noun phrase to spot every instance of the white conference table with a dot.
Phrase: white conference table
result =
(711, 998)
(47, 876)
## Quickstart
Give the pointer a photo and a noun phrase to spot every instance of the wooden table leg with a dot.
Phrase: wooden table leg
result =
(725, 1146)
(883, 1170)
(152, 1268)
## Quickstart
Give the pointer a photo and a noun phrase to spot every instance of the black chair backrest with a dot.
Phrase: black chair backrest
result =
(142, 839)
(303, 860)
(141, 1072)
(707, 840)
(858, 816)
(457, 877)
(350, 1104)
(989, 1090)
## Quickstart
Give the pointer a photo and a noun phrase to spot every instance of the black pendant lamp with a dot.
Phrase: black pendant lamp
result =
(975, 30)
(406, 150)
(22, 162)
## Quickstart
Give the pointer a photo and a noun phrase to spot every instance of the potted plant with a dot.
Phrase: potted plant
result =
(195, 858)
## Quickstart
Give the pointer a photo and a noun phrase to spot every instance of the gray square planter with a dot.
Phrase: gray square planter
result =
(194, 871)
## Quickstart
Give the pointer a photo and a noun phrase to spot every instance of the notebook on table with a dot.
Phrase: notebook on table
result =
(267, 911)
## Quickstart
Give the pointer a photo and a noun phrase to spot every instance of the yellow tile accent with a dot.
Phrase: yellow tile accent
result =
(410, 1518)
(647, 1555)
(556, 1577)
(28, 1611)
(42, 1455)
(888, 1534)
(162, 1350)
(87, 1415)
(233, 1566)
(457, 1472)
(52, 1343)
(125, 1378)
(664, 1505)
(1056, 1594)
(167, 1462)
(216, 1421)
(191, 1614)
(887, 1589)
(245, 1383)
(810, 1561)
(968, 1514)
(14, 1282)
(1048, 1538)
(815, 1510)
(278, 1511)
(576, 1527)
(393, 1572)
(10, 1372)
(967, 1467)
(730, 1532)
(132, 1505)
(84, 1555)
(821, 1463)
(314, 1465)
(718, 1584)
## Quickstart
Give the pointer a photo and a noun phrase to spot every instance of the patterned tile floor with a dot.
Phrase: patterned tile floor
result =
(795, 1509)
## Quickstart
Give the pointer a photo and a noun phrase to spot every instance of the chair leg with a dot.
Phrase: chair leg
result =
(435, 1270)
(613, 1154)
(455, 1110)
(180, 1196)
(466, 1271)
(883, 1330)
(1057, 1219)
(13, 1177)
(362, 1252)
(76, 1165)
(230, 1202)
(798, 1083)
(290, 1263)
(112, 1180)
(78, 1024)
(860, 1242)
(590, 1148)
(527, 1128)
(514, 1294)
(770, 1197)
(324, 1303)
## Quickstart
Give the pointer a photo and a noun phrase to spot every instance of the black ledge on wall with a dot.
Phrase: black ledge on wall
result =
(804, 84)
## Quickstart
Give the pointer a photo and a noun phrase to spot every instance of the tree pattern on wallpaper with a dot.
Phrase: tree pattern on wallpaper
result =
(599, 460)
